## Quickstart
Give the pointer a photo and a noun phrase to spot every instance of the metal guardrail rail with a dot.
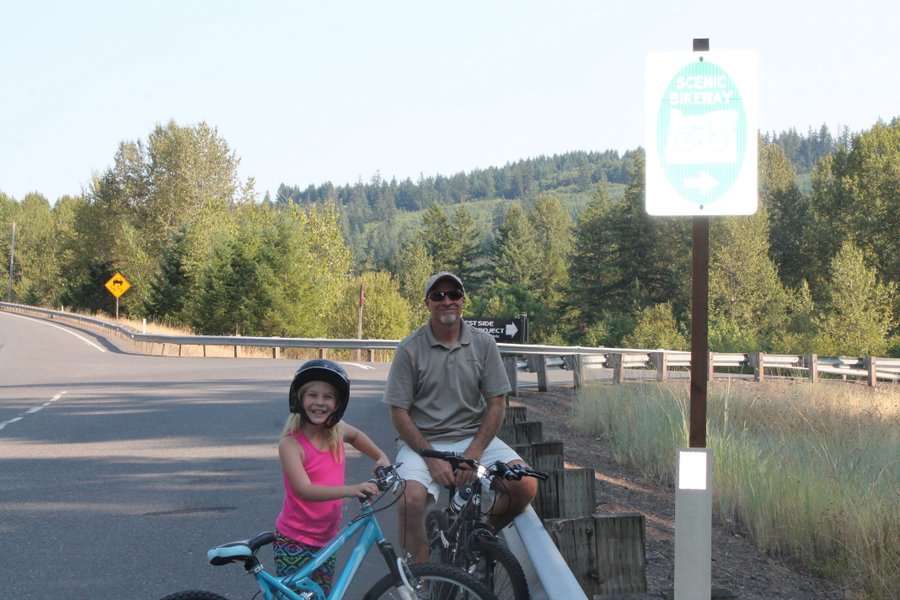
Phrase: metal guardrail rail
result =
(623, 363)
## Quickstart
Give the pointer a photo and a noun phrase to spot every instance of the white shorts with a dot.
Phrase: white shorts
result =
(414, 467)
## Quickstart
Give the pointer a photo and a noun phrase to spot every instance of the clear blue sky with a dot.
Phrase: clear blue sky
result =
(307, 92)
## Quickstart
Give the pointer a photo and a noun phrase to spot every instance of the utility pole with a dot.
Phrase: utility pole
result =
(12, 254)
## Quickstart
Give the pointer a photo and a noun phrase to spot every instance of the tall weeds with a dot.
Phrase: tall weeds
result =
(810, 472)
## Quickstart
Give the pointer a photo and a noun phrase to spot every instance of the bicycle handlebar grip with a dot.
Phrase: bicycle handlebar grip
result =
(539, 475)
(429, 453)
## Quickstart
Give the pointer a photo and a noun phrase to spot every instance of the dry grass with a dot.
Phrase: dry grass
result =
(811, 472)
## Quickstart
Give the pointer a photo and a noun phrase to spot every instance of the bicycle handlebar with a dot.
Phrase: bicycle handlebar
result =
(385, 478)
(498, 469)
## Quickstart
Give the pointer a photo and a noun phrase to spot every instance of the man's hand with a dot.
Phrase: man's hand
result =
(441, 471)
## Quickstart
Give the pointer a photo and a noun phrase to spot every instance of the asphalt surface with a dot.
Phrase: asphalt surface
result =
(119, 471)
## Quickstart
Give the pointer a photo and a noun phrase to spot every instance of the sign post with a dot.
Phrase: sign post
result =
(701, 161)
(117, 285)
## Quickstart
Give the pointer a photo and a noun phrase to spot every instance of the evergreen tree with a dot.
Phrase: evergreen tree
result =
(516, 255)
(414, 267)
(747, 303)
(789, 214)
(656, 328)
(855, 317)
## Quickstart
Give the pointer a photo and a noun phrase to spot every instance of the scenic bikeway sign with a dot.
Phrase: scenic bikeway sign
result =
(117, 285)
(701, 133)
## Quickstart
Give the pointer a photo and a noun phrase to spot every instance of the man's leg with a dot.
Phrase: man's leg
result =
(513, 497)
(411, 521)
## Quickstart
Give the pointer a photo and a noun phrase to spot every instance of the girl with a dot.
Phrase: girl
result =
(312, 461)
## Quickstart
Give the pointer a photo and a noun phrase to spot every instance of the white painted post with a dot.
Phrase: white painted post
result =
(693, 524)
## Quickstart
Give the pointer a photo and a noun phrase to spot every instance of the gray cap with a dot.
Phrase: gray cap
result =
(443, 275)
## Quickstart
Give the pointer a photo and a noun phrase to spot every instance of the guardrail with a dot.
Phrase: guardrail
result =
(619, 364)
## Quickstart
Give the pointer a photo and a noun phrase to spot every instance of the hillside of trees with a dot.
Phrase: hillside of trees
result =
(563, 238)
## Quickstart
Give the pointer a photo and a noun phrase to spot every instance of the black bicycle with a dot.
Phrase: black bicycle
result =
(459, 535)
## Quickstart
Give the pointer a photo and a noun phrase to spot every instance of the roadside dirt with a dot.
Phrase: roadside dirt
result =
(739, 568)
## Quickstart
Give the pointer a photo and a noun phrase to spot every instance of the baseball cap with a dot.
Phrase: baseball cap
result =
(443, 275)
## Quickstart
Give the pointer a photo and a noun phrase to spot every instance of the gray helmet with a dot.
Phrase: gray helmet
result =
(321, 370)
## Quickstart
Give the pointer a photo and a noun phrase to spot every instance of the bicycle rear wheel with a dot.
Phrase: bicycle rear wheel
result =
(432, 581)
(194, 595)
(498, 569)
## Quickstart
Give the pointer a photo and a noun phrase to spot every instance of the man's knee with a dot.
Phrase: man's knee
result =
(412, 506)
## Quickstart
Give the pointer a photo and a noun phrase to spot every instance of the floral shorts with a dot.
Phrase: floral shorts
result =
(291, 555)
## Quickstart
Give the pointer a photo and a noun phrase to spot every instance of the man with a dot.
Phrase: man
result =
(446, 389)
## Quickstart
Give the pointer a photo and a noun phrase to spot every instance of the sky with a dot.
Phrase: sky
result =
(307, 92)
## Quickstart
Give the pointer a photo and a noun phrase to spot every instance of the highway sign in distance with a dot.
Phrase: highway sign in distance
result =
(701, 120)
(117, 285)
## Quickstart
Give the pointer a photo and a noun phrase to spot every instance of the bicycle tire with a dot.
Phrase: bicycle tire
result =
(435, 581)
(435, 527)
(194, 595)
(499, 570)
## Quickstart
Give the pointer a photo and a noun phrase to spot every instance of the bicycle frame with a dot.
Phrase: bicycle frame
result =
(370, 534)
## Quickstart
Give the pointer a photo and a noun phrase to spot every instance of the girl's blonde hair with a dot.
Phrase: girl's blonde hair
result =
(333, 435)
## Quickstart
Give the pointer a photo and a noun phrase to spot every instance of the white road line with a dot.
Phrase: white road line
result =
(359, 365)
(69, 331)
(33, 410)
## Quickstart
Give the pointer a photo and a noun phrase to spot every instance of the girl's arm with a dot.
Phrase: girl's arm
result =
(291, 454)
(364, 444)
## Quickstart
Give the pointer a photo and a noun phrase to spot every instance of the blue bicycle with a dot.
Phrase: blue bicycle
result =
(403, 582)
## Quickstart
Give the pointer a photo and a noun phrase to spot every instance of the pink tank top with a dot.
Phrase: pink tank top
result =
(313, 523)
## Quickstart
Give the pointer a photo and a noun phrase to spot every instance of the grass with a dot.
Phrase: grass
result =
(810, 471)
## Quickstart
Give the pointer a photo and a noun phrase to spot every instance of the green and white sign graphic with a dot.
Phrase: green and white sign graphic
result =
(701, 134)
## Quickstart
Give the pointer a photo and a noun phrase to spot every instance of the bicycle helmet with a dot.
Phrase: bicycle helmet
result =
(321, 370)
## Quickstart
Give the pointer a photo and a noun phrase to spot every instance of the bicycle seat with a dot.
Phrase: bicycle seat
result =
(239, 551)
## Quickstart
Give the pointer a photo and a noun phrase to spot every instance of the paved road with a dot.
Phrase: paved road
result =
(118, 471)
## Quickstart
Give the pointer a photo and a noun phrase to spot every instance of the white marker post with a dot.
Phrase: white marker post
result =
(693, 524)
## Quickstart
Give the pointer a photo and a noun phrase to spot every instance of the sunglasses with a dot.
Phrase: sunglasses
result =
(439, 296)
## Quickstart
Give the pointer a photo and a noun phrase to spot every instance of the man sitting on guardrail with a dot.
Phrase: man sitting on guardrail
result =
(446, 390)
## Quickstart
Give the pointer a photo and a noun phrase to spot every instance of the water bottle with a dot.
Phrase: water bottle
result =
(460, 497)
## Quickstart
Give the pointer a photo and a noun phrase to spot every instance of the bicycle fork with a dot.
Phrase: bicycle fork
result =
(398, 569)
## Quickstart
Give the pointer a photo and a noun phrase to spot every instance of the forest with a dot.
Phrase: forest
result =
(563, 238)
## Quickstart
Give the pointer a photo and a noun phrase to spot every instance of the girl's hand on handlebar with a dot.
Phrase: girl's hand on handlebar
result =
(363, 490)
(381, 462)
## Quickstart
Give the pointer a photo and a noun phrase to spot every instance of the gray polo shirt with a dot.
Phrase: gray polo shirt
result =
(444, 388)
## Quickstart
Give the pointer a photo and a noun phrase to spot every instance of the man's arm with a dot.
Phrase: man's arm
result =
(490, 425)
(440, 470)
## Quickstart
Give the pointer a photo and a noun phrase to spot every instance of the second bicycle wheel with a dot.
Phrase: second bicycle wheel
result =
(435, 533)
(432, 581)
(497, 568)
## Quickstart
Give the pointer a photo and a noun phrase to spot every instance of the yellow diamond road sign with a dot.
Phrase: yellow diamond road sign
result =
(117, 285)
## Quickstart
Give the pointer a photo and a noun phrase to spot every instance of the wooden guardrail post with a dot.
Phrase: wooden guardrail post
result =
(566, 493)
(758, 360)
(869, 364)
(660, 360)
(578, 370)
(540, 363)
(604, 551)
(512, 371)
(810, 361)
(616, 361)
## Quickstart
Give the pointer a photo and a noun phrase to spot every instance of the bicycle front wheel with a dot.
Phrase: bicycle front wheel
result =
(431, 580)
(439, 547)
(498, 569)
(194, 595)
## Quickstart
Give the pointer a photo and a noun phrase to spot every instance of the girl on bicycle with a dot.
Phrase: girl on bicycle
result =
(312, 461)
